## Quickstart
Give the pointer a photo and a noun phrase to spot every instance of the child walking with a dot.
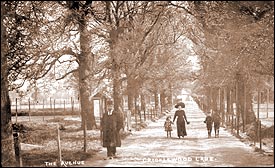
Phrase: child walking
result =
(168, 126)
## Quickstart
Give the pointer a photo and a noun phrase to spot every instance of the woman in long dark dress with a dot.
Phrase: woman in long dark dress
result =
(181, 118)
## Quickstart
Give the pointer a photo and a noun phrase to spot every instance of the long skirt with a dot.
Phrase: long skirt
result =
(181, 128)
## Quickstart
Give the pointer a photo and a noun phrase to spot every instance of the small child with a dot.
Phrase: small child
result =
(168, 126)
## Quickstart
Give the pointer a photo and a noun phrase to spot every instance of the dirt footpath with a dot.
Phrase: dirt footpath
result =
(151, 147)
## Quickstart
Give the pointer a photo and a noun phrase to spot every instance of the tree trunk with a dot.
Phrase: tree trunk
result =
(222, 104)
(250, 115)
(240, 84)
(232, 100)
(117, 93)
(238, 101)
(156, 102)
(170, 97)
(130, 92)
(162, 101)
(208, 99)
(142, 100)
(228, 104)
(116, 75)
(7, 148)
(214, 95)
(85, 58)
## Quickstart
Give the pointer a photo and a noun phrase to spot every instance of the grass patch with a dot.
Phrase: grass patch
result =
(45, 134)
(38, 158)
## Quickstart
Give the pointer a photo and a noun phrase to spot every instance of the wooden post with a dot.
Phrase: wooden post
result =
(244, 112)
(222, 104)
(267, 102)
(136, 118)
(232, 122)
(228, 105)
(51, 104)
(151, 111)
(129, 116)
(235, 124)
(59, 147)
(85, 131)
(144, 115)
(72, 104)
(43, 111)
(20, 102)
(16, 110)
(17, 147)
(29, 109)
(256, 134)
(54, 108)
(260, 134)
(139, 112)
(20, 155)
(237, 104)
(64, 106)
(258, 107)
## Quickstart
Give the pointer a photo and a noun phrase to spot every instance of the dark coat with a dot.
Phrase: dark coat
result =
(209, 122)
(217, 120)
(111, 124)
(181, 118)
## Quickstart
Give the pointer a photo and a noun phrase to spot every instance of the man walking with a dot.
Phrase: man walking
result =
(111, 124)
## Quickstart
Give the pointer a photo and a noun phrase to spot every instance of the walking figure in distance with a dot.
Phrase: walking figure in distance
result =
(111, 124)
(209, 123)
(168, 126)
(181, 119)
(217, 121)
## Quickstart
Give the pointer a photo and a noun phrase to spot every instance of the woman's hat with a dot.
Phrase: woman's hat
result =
(180, 104)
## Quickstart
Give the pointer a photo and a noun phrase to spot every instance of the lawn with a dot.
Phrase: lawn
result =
(39, 141)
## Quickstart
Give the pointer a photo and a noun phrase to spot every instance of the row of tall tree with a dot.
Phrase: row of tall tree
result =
(133, 41)
(237, 55)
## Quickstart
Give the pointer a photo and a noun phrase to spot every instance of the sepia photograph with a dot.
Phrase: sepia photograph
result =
(137, 83)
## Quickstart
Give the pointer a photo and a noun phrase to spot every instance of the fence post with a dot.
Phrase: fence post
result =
(267, 103)
(43, 111)
(72, 104)
(260, 134)
(29, 109)
(59, 147)
(54, 108)
(232, 122)
(144, 115)
(16, 110)
(244, 112)
(64, 106)
(235, 123)
(139, 112)
(136, 118)
(258, 105)
(17, 147)
(256, 132)
(51, 104)
(20, 102)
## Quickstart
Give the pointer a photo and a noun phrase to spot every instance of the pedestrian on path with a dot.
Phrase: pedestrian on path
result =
(111, 124)
(181, 118)
(209, 123)
(168, 126)
(217, 122)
